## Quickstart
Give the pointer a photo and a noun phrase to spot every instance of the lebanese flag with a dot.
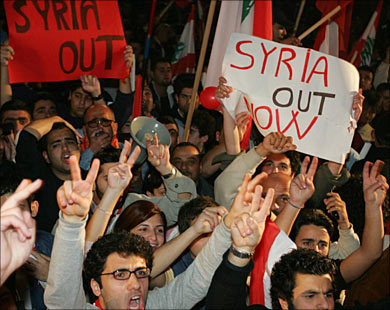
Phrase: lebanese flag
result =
(273, 245)
(250, 17)
(333, 35)
(247, 16)
(184, 59)
(362, 51)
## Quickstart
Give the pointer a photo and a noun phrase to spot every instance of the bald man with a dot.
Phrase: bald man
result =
(100, 131)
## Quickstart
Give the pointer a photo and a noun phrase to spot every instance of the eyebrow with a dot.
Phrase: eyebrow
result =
(148, 225)
(64, 139)
(312, 240)
(318, 292)
(14, 119)
(308, 239)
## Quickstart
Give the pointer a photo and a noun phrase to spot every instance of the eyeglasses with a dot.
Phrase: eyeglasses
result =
(95, 122)
(124, 274)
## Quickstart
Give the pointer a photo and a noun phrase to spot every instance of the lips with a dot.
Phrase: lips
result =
(154, 247)
(66, 158)
(136, 302)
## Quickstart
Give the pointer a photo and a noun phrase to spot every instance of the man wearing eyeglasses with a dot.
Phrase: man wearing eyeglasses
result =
(100, 131)
(116, 267)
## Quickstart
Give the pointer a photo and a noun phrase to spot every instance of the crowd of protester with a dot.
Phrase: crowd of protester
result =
(103, 223)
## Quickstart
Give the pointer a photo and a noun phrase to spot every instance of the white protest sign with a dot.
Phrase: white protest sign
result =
(297, 91)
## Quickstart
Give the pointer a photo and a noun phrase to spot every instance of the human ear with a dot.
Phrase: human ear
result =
(283, 303)
(205, 138)
(46, 157)
(95, 287)
(34, 206)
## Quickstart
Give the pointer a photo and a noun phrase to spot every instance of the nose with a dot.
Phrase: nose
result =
(100, 125)
(152, 237)
(316, 248)
(133, 283)
(65, 147)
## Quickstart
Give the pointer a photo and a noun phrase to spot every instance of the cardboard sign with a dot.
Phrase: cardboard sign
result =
(57, 40)
(297, 91)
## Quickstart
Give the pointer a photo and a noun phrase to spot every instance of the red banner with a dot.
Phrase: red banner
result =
(58, 40)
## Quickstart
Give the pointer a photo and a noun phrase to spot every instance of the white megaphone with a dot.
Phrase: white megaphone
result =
(143, 128)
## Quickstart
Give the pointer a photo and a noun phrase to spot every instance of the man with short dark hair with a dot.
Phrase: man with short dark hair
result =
(82, 94)
(49, 162)
(186, 157)
(43, 105)
(314, 229)
(299, 274)
(170, 124)
(108, 284)
(183, 91)
(202, 131)
(161, 74)
(15, 113)
(366, 78)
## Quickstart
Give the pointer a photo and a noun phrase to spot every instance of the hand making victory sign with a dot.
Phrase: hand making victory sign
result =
(74, 196)
(247, 229)
(120, 175)
(302, 187)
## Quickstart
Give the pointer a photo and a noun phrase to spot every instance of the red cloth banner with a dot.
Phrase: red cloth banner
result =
(59, 40)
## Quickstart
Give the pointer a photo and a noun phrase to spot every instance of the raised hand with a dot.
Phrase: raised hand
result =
(99, 141)
(120, 175)
(208, 219)
(74, 197)
(6, 54)
(158, 156)
(247, 229)
(275, 143)
(242, 121)
(357, 105)
(374, 184)
(302, 187)
(334, 203)
(128, 56)
(17, 229)
(242, 201)
(222, 90)
(91, 84)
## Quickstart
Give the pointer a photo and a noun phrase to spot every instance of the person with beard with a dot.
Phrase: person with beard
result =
(161, 75)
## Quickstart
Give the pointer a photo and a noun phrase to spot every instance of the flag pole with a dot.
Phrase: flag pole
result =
(320, 22)
(199, 69)
(353, 57)
(164, 11)
(148, 38)
(301, 7)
